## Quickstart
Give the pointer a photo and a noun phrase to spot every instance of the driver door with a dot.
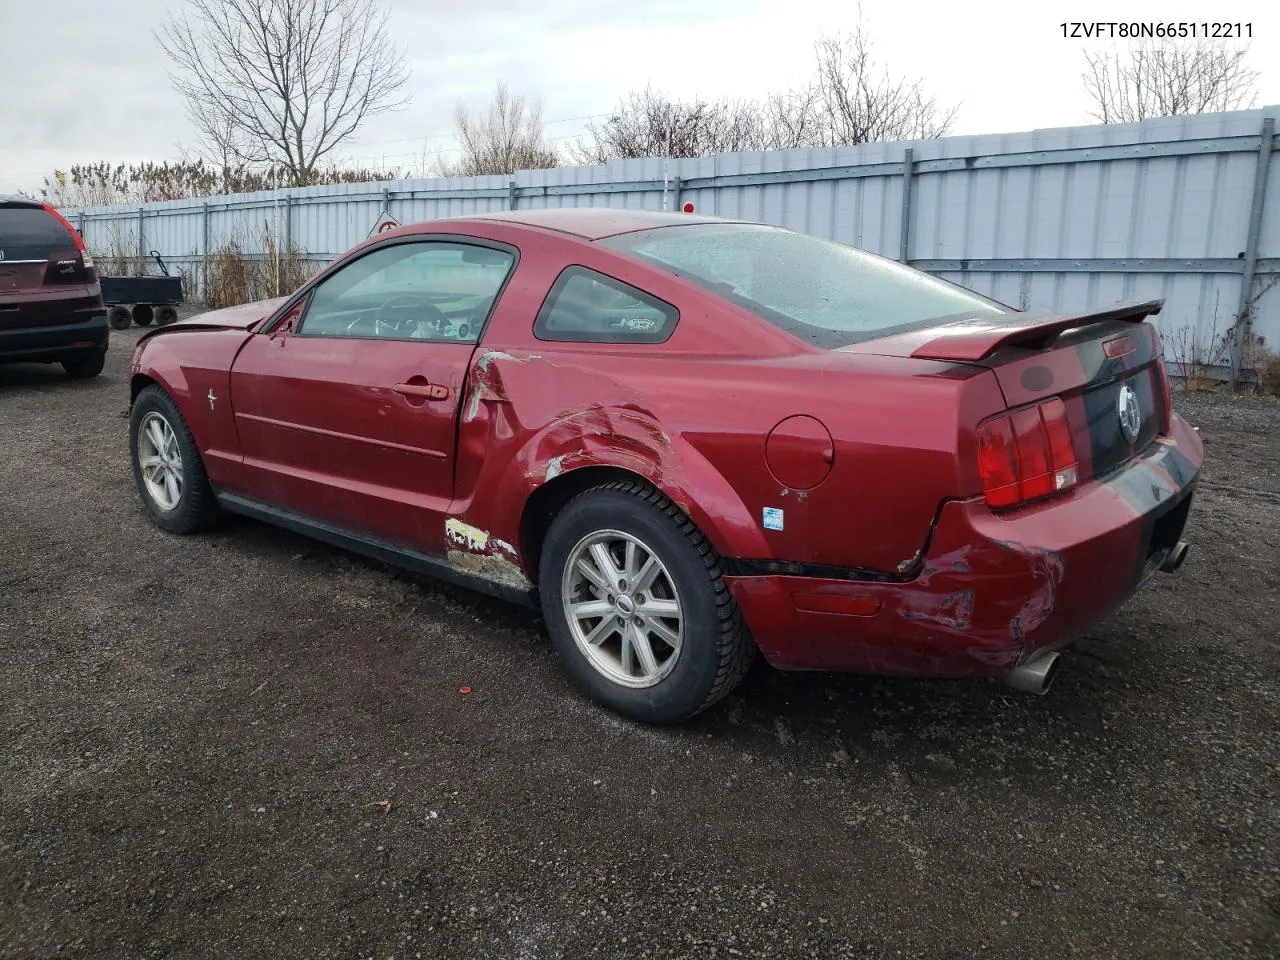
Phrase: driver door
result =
(349, 414)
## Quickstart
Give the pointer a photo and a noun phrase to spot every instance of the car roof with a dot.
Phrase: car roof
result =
(19, 201)
(593, 223)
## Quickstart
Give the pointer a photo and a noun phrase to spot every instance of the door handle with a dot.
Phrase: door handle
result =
(428, 391)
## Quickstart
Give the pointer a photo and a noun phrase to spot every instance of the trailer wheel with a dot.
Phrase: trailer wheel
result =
(143, 314)
(119, 317)
(166, 315)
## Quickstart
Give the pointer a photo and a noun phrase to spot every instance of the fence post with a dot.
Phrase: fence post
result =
(904, 238)
(288, 222)
(511, 195)
(386, 200)
(142, 244)
(204, 249)
(1244, 315)
(675, 193)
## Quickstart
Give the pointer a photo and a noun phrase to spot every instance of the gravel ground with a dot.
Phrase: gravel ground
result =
(196, 735)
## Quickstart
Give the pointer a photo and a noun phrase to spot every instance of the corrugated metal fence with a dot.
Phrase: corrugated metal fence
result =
(1058, 220)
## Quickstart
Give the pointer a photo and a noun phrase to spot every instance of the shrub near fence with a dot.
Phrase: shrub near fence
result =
(1185, 208)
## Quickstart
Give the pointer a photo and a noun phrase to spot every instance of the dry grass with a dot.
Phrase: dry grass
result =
(1198, 355)
(236, 277)
(119, 256)
(1265, 363)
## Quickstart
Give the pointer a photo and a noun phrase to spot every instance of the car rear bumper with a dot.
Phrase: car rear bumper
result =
(992, 590)
(55, 341)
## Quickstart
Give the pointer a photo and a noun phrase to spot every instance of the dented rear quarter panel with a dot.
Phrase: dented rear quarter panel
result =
(691, 416)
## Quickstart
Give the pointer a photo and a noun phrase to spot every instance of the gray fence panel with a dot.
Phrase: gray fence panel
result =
(1059, 220)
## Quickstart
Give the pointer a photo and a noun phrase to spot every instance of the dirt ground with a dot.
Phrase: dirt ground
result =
(196, 735)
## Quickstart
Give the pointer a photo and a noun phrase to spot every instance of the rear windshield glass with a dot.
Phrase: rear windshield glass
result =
(29, 233)
(826, 293)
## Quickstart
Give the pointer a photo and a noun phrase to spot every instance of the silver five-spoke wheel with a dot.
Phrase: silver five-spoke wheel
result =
(160, 458)
(622, 608)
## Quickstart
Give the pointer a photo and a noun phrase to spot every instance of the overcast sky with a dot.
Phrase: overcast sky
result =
(83, 80)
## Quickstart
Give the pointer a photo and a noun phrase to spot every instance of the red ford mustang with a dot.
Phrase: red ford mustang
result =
(688, 439)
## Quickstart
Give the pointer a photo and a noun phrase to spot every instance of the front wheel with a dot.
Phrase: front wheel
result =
(167, 468)
(635, 603)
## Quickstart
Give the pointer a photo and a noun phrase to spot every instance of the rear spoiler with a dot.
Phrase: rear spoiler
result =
(977, 339)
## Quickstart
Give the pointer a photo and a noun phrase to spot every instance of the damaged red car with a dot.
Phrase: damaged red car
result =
(687, 440)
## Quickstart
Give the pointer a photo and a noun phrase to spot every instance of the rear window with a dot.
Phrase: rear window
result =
(30, 233)
(825, 293)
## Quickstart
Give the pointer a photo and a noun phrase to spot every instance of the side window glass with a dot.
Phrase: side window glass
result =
(588, 307)
(429, 290)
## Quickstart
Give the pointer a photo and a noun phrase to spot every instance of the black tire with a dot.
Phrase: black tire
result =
(143, 314)
(715, 649)
(86, 365)
(119, 317)
(166, 315)
(196, 508)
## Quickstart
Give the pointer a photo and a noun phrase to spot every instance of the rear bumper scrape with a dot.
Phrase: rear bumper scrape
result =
(994, 591)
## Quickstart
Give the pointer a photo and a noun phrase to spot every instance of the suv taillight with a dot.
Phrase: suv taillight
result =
(75, 236)
(1026, 454)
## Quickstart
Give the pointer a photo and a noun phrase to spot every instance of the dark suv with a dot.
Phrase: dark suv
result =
(51, 307)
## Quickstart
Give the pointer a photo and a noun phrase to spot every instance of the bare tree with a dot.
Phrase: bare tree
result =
(1168, 80)
(505, 138)
(647, 123)
(849, 100)
(858, 102)
(282, 82)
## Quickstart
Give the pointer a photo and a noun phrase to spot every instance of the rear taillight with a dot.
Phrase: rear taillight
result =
(75, 236)
(1026, 454)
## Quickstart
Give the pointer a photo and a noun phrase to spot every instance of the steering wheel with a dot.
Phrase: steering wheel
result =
(415, 310)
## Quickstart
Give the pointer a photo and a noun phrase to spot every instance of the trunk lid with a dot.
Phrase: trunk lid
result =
(1105, 366)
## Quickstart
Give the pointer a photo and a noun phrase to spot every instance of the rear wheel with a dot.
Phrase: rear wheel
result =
(167, 468)
(119, 317)
(636, 605)
(165, 315)
(86, 365)
(143, 314)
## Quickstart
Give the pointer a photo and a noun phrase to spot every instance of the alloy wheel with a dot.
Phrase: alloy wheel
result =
(160, 458)
(622, 608)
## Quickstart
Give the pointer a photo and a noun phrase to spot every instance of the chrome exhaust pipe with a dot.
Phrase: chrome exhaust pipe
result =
(1174, 560)
(1034, 676)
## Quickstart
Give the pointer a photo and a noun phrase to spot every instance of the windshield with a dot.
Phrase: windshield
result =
(826, 293)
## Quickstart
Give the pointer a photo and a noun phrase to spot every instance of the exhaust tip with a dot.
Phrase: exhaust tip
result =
(1035, 676)
(1174, 560)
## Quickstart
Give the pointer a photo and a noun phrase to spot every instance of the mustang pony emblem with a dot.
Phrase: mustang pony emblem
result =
(1130, 413)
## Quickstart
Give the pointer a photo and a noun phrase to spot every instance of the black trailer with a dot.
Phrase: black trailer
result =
(142, 300)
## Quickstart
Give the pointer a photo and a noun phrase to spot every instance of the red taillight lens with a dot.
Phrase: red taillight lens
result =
(1061, 453)
(1026, 454)
(998, 462)
(1035, 475)
(75, 234)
